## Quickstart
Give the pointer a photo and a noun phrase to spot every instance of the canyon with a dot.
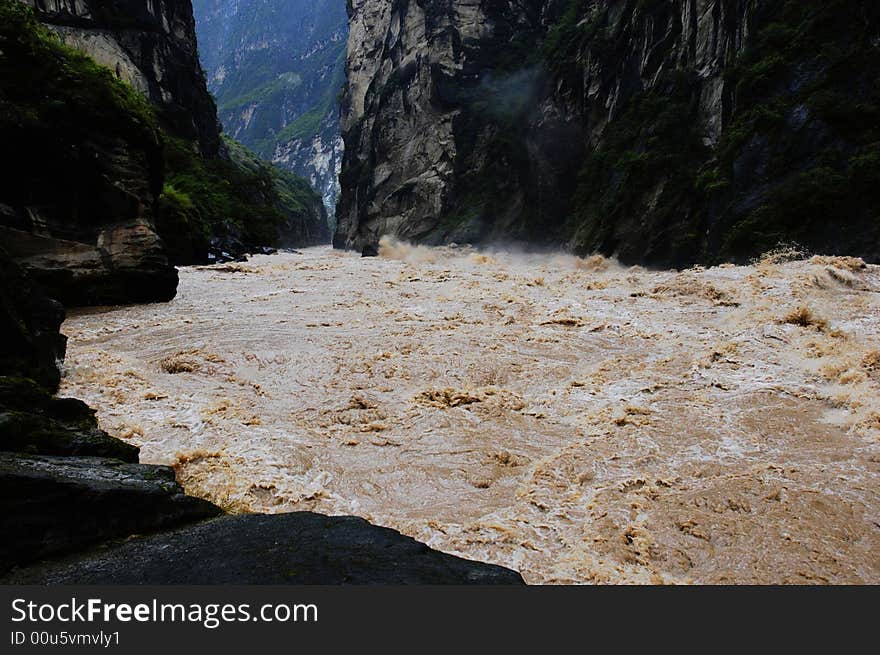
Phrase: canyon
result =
(119, 173)
(601, 305)
(666, 133)
(277, 68)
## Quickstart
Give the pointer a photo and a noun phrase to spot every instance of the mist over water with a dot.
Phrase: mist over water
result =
(573, 419)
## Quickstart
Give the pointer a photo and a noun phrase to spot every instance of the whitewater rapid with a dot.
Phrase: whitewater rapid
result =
(573, 419)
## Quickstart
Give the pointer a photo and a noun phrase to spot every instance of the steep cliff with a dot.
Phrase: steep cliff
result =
(227, 208)
(151, 44)
(276, 68)
(84, 154)
(664, 131)
(122, 173)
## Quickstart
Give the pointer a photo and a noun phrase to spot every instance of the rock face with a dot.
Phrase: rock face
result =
(276, 68)
(666, 132)
(64, 483)
(300, 548)
(315, 156)
(35, 423)
(30, 342)
(56, 505)
(123, 174)
(78, 199)
(151, 44)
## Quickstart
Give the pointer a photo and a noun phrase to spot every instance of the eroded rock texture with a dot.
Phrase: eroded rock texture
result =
(666, 132)
(151, 44)
(78, 199)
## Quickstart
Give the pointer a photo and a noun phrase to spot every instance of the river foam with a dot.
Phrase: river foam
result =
(575, 419)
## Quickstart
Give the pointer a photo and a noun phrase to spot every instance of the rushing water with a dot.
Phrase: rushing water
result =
(573, 419)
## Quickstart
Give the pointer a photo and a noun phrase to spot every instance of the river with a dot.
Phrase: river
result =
(574, 419)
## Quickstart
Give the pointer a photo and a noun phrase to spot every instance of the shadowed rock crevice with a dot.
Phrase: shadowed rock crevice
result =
(30, 342)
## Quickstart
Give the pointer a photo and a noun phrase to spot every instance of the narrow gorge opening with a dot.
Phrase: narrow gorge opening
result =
(277, 70)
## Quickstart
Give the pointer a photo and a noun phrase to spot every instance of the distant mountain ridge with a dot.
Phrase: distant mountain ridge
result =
(276, 68)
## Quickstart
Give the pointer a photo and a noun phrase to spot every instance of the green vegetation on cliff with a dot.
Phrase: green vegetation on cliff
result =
(809, 89)
(642, 175)
(240, 200)
(85, 140)
(84, 166)
(52, 94)
(46, 81)
(574, 29)
(796, 162)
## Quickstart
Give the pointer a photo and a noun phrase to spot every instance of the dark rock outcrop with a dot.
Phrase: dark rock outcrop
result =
(64, 483)
(55, 505)
(30, 342)
(300, 548)
(666, 132)
(34, 422)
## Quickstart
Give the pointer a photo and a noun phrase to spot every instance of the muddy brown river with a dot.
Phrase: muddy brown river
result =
(573, 419)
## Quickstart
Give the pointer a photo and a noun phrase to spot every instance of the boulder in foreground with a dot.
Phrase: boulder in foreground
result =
(57, 505)
(299, 548)
(35, 423)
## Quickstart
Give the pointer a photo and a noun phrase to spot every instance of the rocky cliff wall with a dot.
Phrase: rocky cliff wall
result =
(664, 131)
(150, 44)
(119, 169)
(78, 198)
